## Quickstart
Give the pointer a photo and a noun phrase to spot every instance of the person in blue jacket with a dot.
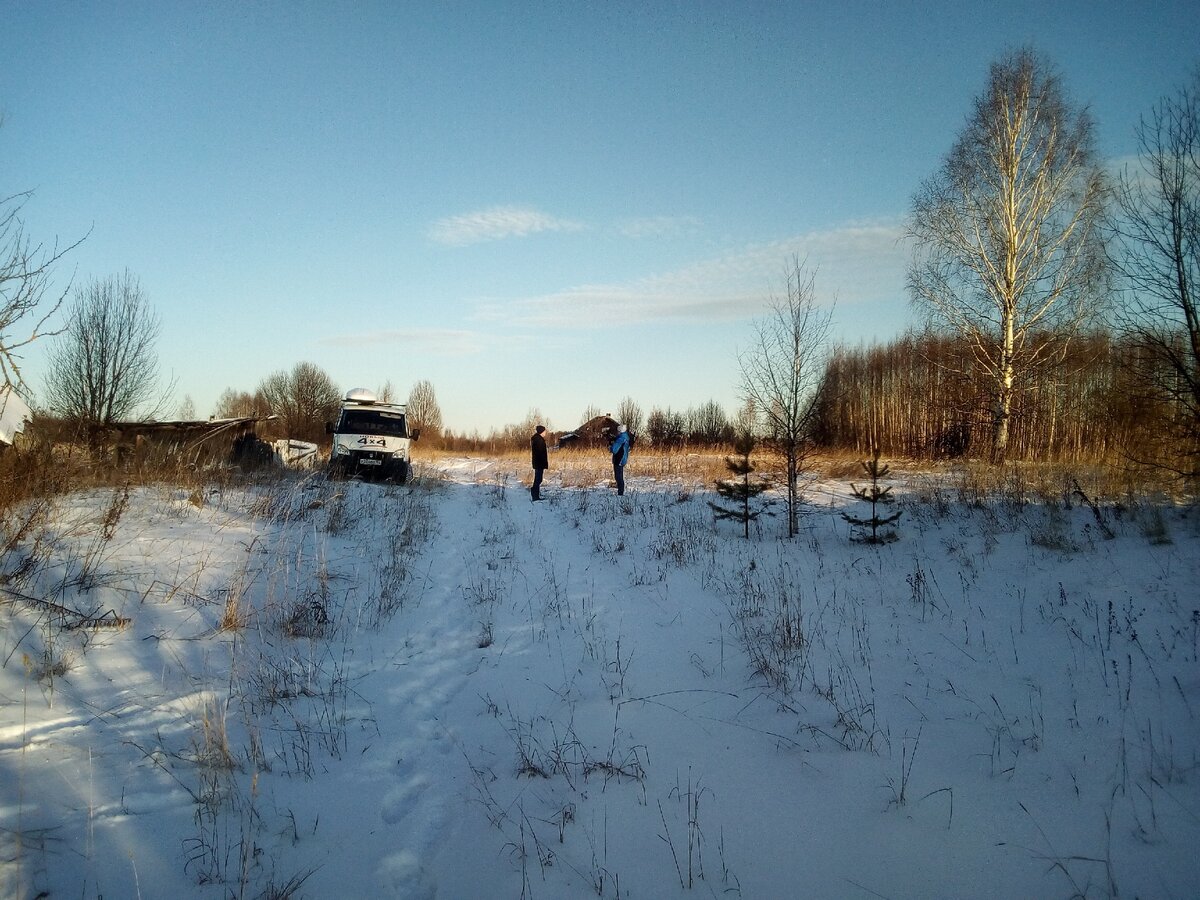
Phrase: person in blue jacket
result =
(620, 456)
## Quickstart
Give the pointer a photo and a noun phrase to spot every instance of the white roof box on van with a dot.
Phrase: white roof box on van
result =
(361, 395)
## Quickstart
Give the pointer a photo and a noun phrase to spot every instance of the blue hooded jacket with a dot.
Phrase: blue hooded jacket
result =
(620, 449)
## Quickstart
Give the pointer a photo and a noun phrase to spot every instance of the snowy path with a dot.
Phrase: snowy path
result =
(445, 691)
(455, 719)
(416, 754)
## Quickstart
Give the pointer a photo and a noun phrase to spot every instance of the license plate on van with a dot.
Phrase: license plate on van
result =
(370, 462)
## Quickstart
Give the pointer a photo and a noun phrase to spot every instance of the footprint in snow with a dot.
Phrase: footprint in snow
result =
(402, 874)
(400, 800)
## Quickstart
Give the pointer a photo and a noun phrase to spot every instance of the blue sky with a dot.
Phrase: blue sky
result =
(540, 206)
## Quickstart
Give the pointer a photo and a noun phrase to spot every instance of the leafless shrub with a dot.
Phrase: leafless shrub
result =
(1153, 524)
(769, 617)
(30, 477)
(309, 618)
(546, 749)
(684, 538)
(1053, 531)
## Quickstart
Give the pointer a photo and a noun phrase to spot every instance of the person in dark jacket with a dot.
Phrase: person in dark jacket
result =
(620, 456)
(537, 444)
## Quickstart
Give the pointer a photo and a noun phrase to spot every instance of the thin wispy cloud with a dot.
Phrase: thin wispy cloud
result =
(659, 226)
(856, 263)
(1133, 170)
(495, 224)
(437, 341)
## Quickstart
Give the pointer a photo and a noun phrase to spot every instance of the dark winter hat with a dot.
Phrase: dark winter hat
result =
(540, 429)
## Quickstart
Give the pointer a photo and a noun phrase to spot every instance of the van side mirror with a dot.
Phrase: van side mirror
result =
(415, 434)
(329, 428)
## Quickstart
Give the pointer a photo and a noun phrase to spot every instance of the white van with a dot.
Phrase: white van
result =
(371, 439)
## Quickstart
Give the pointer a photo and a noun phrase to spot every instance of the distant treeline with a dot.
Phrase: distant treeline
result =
(704, 426)
(925, 397)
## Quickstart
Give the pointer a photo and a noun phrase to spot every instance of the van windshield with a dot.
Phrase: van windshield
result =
(372, 421)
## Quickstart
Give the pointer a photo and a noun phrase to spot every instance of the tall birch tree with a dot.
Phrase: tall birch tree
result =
(1008, 248)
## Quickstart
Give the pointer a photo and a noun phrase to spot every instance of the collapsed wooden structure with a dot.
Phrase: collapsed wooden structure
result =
(191, 442)
(597, 431)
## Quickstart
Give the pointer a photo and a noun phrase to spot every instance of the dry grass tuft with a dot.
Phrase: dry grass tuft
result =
(50, 665)
(212, 750)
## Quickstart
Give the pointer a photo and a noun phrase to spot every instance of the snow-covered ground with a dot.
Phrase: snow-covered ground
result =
(443, 690)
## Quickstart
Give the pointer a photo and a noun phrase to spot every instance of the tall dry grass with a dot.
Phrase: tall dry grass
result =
(582, 467)
(1114, 481)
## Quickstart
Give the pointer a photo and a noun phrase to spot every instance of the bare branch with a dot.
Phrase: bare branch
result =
(25, 271)
(1158, 255)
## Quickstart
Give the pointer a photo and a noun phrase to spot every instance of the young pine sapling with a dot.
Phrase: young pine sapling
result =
(877, 495)
(740, 491)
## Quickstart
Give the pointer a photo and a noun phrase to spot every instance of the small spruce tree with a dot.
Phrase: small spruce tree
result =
(740, 491)
(877, 495)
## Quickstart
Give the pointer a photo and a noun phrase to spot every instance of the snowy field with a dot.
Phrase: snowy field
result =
(341, 690)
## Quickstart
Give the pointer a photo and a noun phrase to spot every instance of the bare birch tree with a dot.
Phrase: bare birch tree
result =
(386, 393)
(1008, 239)
(1159, 256)
(782, 373)
(235, 404)
(103, 366)
(629, 414)
(423, 410)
